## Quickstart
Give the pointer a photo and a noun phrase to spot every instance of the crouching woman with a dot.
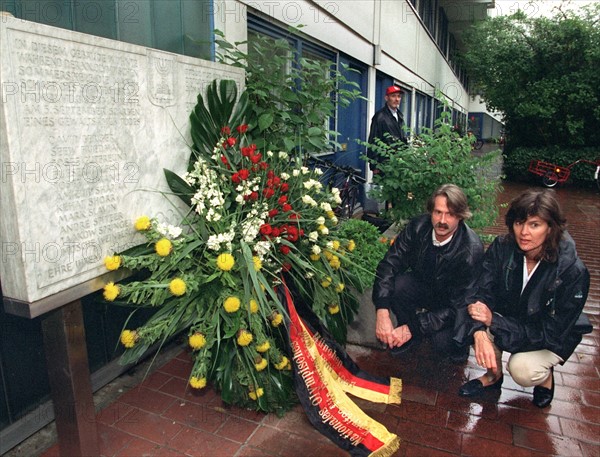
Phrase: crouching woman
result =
(527, 300)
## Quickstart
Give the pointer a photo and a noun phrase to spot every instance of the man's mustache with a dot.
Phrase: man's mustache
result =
(442, 225)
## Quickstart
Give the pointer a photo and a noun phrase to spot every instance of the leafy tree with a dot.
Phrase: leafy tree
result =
(292, 100)
(542, 73)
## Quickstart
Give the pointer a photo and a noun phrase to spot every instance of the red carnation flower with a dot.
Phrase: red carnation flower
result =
(275, 232)
(284, 249)
(270, 174)
(284, 187)
(274, 212)
(242, 128)
(224, 160)
(266, 229)
(244, 174)
(282, 200)
(254, 196)
(294, 216)
(246, 151)
(231, 141)
(236, 178)
(256, 157)
(268, 192)
(225, 131)
(286, 267)
(286, 207)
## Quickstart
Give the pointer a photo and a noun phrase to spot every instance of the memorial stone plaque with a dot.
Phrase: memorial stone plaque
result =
(87, 125)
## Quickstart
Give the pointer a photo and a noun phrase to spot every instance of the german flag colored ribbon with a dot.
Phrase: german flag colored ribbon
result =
(324, 375)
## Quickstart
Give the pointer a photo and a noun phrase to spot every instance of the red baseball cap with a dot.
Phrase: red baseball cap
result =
(392, 90)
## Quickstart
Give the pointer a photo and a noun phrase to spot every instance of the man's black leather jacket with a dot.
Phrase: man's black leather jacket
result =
(544, 315)
(456, 270)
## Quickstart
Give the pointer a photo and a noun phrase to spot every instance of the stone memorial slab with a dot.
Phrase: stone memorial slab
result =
(87, 125)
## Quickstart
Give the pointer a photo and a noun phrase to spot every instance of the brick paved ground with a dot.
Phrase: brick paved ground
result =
(160, 417)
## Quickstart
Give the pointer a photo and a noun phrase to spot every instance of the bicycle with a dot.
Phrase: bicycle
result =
(553, 174)
(347, 179)
(477, 143)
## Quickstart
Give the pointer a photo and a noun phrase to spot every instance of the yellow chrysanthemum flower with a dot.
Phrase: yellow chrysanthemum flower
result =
(129, 338)
(197, 383)
(196, 341)
(328, 255)
(339, 287)
(112, 262)
(260, 366)
(177, 287)
(330, 214)
(276, 319)
(334, 309)
(335, 263)
(225, 261)
(163, 247)
(231, 304)
(253, 305)
(257, 263)
(142, 223)
(326, 282)
(283, 363)
(111, 291)
(315, 257)
(256, 394)
(336, 245)
(244, 338)
(264, 347)
(351, 245)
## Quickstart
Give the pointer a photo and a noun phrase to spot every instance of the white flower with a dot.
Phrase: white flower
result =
(312, 183)
(313, 236)
(326, 206)
(307, 199)
(283, 155)
(316, 249)
(285, 176)
(304, 170)
(309, 275)
(269, 153)
(318, 171)
(296, 172)
(324, 230)
(334, 220)
(330, 245)
(262, 248)
(320, 220)
(239, 199)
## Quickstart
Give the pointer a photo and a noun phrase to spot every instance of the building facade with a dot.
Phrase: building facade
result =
(410, 43)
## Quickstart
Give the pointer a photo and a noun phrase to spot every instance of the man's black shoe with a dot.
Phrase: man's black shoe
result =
(410, 344)
(475, 387)
(542, 396)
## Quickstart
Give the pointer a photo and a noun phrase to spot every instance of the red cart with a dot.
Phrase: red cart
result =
(553, 174)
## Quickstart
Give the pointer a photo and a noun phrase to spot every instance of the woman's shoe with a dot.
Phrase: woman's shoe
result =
(475, 387)
(542, 396)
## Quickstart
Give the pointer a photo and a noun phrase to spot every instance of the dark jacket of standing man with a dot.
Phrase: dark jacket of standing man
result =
(426, 274)
(389, 120)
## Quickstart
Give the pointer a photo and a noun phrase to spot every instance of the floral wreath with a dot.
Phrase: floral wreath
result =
(253, 217)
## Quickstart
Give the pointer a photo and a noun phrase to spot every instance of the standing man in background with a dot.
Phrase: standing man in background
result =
(388, 120)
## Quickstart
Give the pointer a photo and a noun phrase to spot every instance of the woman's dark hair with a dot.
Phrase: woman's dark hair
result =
(541, 203)
(455, 199)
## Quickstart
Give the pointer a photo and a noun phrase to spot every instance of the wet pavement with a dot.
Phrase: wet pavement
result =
(160, 416)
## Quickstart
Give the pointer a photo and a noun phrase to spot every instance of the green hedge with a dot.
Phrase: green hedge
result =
(516, 163)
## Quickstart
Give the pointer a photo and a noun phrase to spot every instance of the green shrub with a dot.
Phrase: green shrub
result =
(370, 248)
(437, 156)
(516, 163)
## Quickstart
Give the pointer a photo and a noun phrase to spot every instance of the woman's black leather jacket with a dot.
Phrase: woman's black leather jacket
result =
(544, 315)
(456, 270)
